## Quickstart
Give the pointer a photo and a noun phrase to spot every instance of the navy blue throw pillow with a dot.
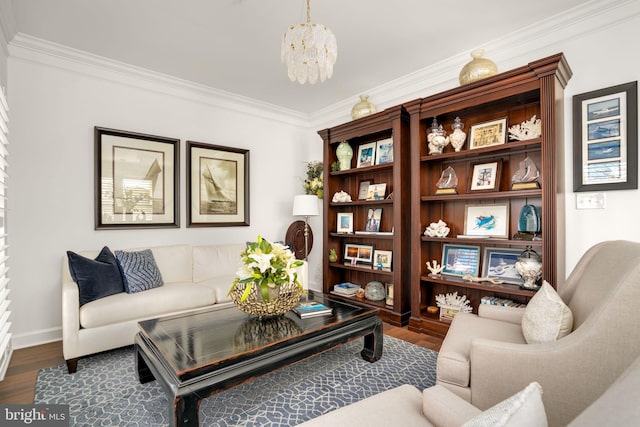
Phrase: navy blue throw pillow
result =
(96, 278)
(139, 270)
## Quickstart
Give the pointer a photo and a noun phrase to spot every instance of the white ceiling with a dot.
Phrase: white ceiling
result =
(234, 45)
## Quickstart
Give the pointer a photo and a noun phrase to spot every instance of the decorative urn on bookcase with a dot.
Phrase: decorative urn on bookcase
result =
(344, 153)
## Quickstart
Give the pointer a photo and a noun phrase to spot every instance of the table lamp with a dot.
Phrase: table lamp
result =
(305, 205)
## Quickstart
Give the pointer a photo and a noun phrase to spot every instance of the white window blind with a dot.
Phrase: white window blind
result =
(5, 326)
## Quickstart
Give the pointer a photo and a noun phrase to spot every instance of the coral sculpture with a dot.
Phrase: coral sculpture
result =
(526, 130)
(453, 300)
(435, 269)
(437, 229)
(341, 196)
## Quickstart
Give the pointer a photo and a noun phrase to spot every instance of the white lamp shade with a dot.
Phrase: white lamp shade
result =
(305, 205)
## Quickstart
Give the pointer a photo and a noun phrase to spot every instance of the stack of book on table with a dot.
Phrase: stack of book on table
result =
(346, 289)
(312, 309)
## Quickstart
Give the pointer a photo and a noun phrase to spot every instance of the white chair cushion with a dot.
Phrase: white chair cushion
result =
(123, 307)
(547, 317)
(523, 409)
(220, 286)
(453, 366)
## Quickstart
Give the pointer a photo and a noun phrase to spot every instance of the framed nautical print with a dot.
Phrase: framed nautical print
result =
(217, 185)
(136, 180)
(605, 139)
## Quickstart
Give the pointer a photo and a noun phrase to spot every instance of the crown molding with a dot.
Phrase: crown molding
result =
(27, 48)
(7, 25)
(510, 51)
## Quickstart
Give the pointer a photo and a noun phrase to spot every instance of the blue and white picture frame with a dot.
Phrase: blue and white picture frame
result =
(459, 260)
(606, 139)
(500, 264)
(384, 151)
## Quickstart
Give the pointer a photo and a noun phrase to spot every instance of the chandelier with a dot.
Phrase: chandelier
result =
(309, 51)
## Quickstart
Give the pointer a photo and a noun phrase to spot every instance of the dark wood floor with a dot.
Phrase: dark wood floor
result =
(18, 385)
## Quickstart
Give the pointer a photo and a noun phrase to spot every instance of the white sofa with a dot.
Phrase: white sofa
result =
(195, 277)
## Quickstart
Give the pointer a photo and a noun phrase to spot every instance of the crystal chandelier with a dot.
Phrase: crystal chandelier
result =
(309, 51)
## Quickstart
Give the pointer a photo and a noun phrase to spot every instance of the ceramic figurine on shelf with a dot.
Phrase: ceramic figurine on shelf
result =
(437, 139)
(458, 136)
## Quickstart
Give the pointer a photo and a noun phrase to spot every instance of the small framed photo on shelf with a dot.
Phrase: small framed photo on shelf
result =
(500, 264)
(605, 145)
(485, 176)
(382, 260)
(345, 222)
(363, 190)
(384, 151)
(486, 221)
(366, 155)
(459, 260)
(376, 191)
(374, 216)
(488, 133)
(358, 253)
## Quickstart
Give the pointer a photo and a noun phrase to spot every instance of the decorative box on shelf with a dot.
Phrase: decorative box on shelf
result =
(452, 304)
(448, 312)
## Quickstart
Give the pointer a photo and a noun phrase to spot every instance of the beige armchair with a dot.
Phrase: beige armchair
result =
(485, 358)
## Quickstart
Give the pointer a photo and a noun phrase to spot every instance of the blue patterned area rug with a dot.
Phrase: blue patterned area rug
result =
(105, 391)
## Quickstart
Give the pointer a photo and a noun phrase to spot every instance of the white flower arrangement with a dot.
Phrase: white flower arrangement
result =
(266, 265)
(454, 301)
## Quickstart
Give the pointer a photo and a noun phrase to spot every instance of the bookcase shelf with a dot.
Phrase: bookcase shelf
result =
(516, 95)
(391, 123)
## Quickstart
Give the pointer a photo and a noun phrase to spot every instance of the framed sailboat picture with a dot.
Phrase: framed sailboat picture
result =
(136, 180)
(217, 185)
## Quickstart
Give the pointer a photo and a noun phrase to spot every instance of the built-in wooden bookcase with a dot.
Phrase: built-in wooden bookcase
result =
(391, 123)
(517, 95)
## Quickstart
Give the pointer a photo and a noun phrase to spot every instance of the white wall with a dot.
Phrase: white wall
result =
(55, 106)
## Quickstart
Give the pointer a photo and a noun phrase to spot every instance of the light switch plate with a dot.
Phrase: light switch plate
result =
(590, 201)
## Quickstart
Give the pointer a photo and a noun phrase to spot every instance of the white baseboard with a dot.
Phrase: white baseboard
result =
(30, 339)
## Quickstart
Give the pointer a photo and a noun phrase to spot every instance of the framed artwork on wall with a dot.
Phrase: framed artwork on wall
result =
(136, 180)
(217, 185)
(605, 139)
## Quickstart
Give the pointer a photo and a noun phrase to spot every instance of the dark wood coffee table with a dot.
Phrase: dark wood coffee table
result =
(195, 355)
